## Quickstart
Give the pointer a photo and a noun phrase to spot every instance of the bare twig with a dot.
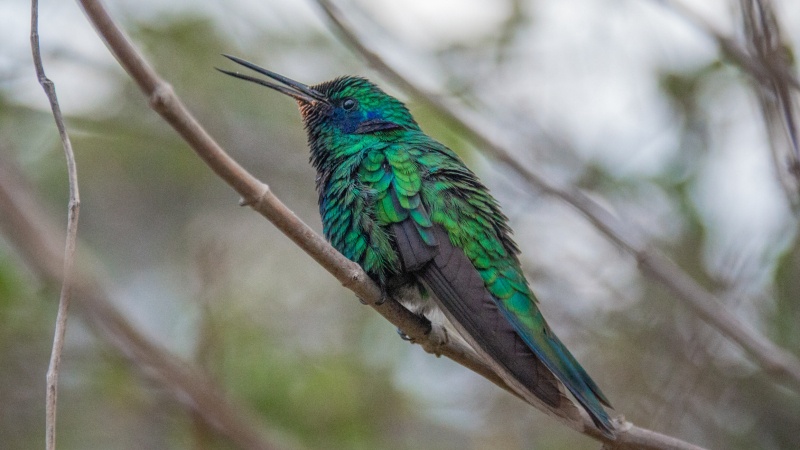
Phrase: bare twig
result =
(778, 104)
(72, 235)
(777, 362)
(258, 196)
(32, 232)
(764, 71)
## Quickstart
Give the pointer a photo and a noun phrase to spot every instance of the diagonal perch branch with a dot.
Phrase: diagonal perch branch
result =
(258, 195)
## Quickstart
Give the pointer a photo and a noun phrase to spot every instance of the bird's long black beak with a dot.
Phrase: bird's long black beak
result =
(297, 90)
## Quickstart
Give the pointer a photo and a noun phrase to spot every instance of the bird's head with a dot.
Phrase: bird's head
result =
(338, 113)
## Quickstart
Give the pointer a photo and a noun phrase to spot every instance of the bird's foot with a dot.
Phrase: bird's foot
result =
(437, 338)
(384, 297)
(410, 339)
(381, 300)
(404, 336)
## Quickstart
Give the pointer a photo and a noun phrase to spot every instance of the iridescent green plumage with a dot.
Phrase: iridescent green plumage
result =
(408, 210)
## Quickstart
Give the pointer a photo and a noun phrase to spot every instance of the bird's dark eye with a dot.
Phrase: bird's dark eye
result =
(349, 104)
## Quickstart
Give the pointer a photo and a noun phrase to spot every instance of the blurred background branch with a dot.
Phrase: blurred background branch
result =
(778, 96)
(769, 59)
(32, 232)
(765, 68)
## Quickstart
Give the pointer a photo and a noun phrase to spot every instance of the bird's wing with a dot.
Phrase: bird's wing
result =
(461, 295)
(425, 249)
(468, 260)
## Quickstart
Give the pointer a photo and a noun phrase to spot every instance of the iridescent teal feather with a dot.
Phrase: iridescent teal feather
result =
(406, 208)
(409, 175)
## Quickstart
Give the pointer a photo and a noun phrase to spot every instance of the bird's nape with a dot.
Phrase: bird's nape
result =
(292, 88)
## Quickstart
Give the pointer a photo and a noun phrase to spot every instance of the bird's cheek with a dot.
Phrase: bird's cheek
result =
(350, 124)
(317, 112)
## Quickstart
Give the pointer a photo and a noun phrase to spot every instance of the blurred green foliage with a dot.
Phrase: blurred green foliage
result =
(216, 284)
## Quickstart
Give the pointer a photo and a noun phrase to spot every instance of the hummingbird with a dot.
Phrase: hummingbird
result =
(422, 225)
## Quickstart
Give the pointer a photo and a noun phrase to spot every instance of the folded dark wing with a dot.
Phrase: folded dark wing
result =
(465, 301)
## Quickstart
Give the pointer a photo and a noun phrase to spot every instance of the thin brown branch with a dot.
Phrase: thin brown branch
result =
(33, 233)
(259, 197)
(774, 360)
(73, 212)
